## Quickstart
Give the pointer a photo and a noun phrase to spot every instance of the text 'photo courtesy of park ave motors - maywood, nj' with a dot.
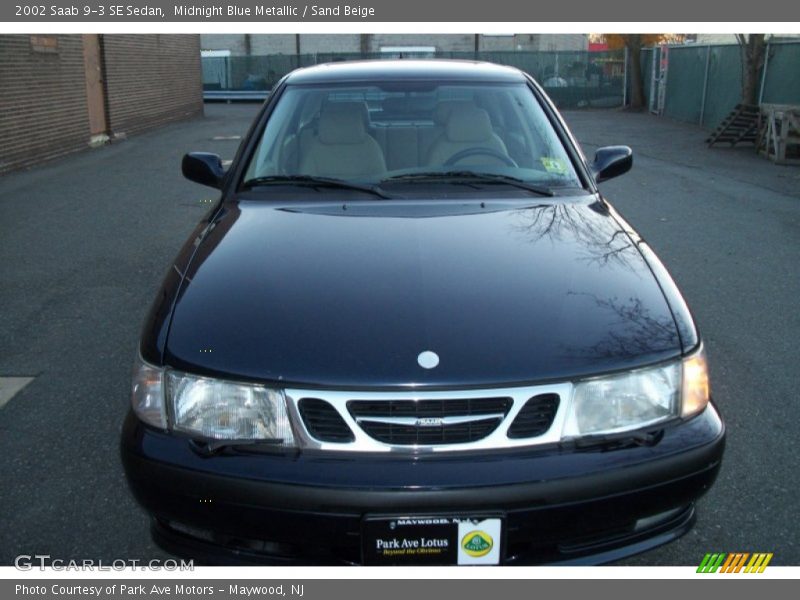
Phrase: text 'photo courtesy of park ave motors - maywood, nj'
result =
(158, 589)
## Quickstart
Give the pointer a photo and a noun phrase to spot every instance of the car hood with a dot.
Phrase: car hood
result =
(350, 295)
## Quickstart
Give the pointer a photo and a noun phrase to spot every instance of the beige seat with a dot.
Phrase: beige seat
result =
(342, 147)
(443, 110)
(467, 127)
(294, 144)
(428, 135)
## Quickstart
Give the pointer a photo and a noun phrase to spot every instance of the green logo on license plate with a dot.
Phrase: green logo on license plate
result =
(477, 543)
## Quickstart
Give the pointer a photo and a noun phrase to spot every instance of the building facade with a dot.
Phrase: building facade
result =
(61, 93)
(265, 44)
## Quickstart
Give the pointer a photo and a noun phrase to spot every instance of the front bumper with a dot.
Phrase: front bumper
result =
(561, 505)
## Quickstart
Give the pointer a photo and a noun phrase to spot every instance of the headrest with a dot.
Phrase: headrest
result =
(311, 107)
(443, 109)
(343, 123)
(468, 124)
(395, 105)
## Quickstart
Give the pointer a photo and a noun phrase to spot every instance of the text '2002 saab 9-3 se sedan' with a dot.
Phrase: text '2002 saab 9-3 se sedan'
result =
(412, 332)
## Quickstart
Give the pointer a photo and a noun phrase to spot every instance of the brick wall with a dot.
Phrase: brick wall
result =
(564, 42)
(310, 43)
(241, 44)
(235, 42)
(446, 42)
(280, 43)
(342, 42)
(151, 80)
(43, 110)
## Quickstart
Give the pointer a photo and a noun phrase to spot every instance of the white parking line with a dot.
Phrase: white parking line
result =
(9, 386)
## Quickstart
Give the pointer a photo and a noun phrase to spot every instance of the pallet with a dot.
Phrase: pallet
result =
(741, 125)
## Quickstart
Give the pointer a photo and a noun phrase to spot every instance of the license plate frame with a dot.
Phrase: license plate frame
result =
(433, 539)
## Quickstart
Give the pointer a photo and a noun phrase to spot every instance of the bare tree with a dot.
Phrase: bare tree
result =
(634, 42)
(753, 48)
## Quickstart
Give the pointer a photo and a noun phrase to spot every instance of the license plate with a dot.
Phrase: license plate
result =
(432, 540)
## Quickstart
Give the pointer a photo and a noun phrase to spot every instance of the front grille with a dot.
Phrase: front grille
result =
(536, 417)
(421, 420)
(406, 435)
(428, 408)
(323, 421)
(429, 422)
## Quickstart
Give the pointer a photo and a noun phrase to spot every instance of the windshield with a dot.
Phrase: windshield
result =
(410, 132)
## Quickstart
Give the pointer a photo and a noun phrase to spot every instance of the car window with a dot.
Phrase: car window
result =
(369, 133)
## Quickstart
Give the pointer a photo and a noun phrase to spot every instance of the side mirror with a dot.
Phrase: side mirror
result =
(611, 161)
(203, 168)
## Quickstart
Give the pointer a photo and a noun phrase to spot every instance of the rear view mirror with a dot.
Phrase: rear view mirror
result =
(203, 168)
(611, 161)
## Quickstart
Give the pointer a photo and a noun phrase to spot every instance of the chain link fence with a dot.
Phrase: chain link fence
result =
(698, 84)
(572, 79)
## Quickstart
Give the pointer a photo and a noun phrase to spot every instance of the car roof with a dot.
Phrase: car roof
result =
(400, 69)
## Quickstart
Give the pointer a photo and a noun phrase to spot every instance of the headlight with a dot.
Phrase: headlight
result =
(623, 402)
(147, 394)
(637, 399)
(224, 410)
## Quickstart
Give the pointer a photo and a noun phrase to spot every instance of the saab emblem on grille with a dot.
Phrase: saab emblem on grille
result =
(429, 422)
(428, 359)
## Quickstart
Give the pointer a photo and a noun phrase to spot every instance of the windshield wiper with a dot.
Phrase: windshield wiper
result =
(312, 181)
(475, 176)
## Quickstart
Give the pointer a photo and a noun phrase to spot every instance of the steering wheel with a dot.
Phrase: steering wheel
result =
(468, 152)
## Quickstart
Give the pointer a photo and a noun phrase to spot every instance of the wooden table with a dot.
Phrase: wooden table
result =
(779, 133)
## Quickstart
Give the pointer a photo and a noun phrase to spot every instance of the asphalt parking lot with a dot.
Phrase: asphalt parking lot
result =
(85, 241)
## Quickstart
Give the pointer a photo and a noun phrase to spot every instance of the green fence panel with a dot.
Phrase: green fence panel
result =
(215, 73)
(724, 84)
(684, 94)
(260, 72)
(647, 73)
(782, 85)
